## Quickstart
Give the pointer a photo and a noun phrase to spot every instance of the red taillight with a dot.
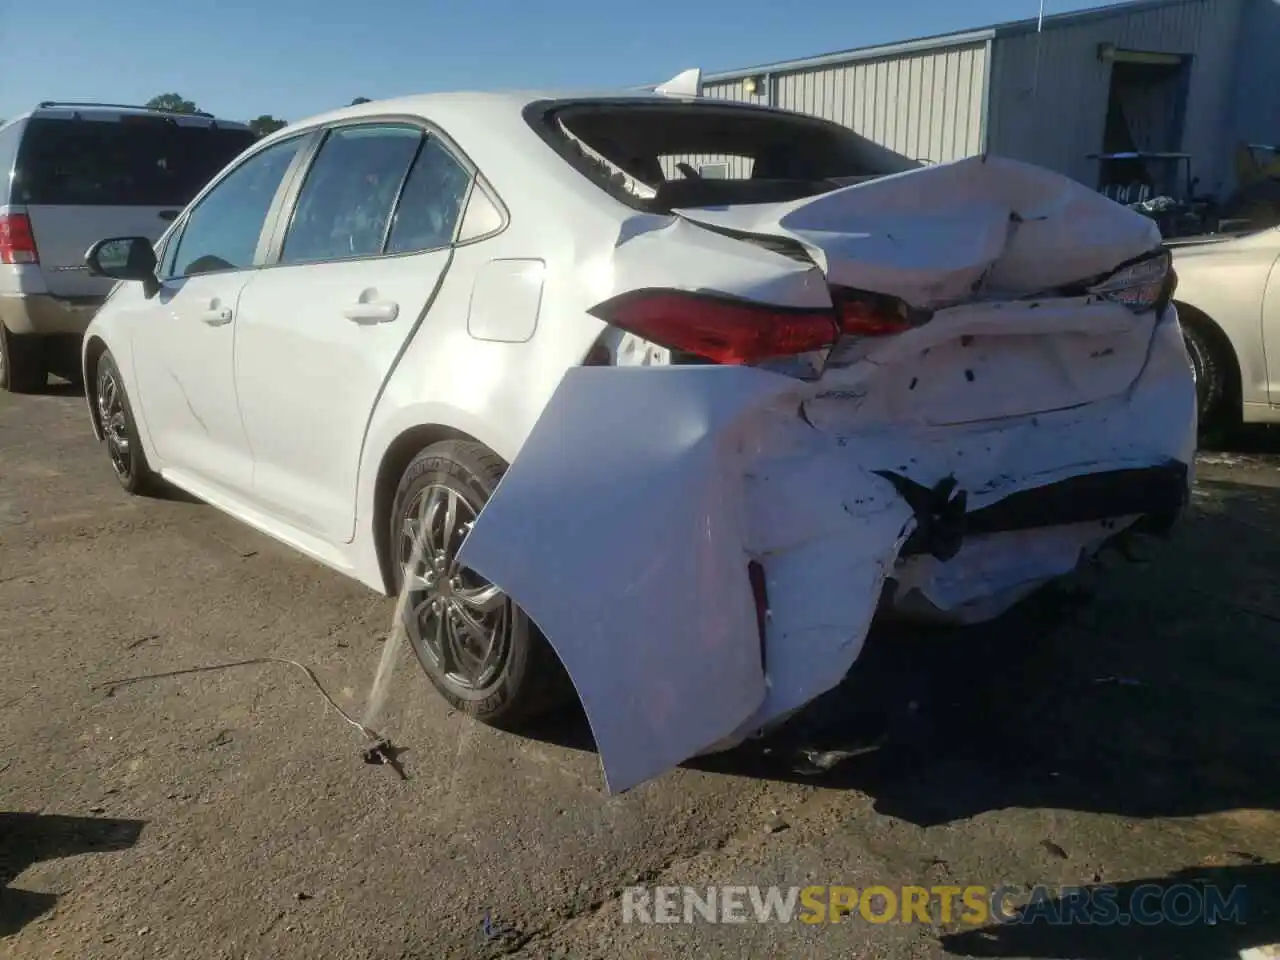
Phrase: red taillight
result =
(872, 315)
(719, 329)
(17, 242)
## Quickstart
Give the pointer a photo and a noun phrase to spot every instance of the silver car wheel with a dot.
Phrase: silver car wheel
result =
(115, 425)
(462, 622)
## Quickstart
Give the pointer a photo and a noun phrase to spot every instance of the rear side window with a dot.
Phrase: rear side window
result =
(137, 160)
(345, 204)
(431, 201)
(10, 137)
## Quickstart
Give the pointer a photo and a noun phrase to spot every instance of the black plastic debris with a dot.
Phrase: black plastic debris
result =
(384, 753)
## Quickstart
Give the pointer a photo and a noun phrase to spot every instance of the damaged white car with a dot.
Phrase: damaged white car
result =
(740, 414)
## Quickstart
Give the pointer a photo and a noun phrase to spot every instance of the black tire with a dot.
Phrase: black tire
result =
(62, 357)
(1210, 370)
(24, 368)
(522, 679)
(119, 429)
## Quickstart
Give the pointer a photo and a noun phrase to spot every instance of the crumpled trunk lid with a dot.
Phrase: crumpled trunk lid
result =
(990, 244)
(978, 228)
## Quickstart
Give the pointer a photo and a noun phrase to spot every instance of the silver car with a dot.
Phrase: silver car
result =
(70, 174)
(1228, 300)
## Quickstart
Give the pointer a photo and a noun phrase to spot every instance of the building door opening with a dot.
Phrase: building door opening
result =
(1142, 139)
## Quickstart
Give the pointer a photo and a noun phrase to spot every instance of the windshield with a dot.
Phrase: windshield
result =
(149, 161)
(656, 155)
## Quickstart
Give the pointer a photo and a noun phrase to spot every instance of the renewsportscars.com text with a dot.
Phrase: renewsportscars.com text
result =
(976, 905)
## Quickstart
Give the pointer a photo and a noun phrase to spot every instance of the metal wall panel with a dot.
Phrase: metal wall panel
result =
(735, 90)
(1049, 90)
(739, 168)
(1256, 108)
(926, 105)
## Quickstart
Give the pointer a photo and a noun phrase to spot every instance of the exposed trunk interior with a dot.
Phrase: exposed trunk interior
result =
(662, 156)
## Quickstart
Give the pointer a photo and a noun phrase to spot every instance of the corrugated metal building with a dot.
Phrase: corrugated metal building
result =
(1153, 75)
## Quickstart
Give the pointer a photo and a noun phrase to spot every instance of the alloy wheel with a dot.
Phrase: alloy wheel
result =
(115, 426)
(460, 621)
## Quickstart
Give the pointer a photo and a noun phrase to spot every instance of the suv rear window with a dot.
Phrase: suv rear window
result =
(656, 155)
(139, 160)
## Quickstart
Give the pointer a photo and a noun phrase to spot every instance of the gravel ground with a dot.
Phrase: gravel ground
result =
(228, 814)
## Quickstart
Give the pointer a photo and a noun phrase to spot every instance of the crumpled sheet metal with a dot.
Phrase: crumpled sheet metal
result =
(625, 527)
(981, 226)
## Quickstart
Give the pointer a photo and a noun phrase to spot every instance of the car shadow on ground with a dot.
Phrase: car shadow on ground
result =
(27, 838)
(1154, 699)
(57, 387)
(1246, 439)
(159, 489)
(1206, 912)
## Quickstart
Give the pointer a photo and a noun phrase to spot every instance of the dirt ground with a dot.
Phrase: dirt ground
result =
(229, 814)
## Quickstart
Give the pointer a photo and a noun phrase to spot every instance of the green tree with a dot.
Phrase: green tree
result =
(266, 124)
(172, 102)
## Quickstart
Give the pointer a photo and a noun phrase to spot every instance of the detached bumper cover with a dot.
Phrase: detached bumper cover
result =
(1159, 493)
(626, 525)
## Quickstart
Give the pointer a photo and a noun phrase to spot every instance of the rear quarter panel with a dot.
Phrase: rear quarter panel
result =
(489, 390)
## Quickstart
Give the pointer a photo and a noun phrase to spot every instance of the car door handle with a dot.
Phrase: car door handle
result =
(376, 311)
(216, 317)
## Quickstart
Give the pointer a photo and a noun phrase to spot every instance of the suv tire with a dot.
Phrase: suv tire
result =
(23, 364)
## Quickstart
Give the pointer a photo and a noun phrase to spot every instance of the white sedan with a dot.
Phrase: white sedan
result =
(509, 357)
(1229, 302)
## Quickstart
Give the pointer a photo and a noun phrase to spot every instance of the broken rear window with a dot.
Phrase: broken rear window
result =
(659, 156)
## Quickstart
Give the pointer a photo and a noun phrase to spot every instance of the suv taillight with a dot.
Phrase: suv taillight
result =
(17, 242)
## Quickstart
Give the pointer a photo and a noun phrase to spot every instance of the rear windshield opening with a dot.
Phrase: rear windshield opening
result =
(134, 161)
(659, 156)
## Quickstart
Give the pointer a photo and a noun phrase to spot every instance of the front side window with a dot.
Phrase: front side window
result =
(346, 202)
(222, 232)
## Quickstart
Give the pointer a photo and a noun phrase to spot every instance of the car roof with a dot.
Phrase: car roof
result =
(483, 100)
(492, 132)
(489, 125)
(113, 112)
(471, 108)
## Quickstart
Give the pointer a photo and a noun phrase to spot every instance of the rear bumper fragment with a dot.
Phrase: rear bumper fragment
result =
(1157, 493)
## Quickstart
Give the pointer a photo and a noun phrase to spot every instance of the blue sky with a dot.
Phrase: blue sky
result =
(293, 58)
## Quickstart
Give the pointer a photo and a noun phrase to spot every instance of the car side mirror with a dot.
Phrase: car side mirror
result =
(125, 258)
